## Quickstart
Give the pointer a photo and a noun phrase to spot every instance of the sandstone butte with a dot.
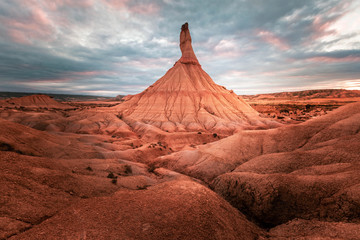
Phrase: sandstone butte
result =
(187, 99)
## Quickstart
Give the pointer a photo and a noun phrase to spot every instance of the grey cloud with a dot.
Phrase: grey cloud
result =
(126, 51)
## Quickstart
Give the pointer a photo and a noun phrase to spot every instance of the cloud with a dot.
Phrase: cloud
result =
(110, 47)
(272, 39)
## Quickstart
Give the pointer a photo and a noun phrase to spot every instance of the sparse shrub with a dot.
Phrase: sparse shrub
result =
(199, 132)
(89, 169)
(151, 168)
(6, 147)
(128, 169)
(111, 175)
(114, 180)
(215, 135)
(142, 187)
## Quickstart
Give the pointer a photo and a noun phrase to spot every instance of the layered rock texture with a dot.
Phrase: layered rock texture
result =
(187, 99)
(308, 171)
(34, 101)
(113, 172)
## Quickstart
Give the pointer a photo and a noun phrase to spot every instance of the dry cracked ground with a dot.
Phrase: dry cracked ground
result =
(87, 173)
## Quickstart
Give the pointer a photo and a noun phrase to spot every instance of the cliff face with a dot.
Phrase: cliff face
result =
(187, 99)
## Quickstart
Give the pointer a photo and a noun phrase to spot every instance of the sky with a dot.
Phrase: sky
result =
(119, 47)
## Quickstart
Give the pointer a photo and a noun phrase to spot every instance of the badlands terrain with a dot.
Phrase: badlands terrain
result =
(184, 159)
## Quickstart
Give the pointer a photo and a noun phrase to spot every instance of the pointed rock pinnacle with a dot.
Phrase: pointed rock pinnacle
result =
(188, 55)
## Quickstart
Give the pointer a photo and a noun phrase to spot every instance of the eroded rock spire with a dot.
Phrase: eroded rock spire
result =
(188, 55)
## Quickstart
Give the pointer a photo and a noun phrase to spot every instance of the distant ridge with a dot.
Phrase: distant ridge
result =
(34, 101)
(308, 94)
(57, 97)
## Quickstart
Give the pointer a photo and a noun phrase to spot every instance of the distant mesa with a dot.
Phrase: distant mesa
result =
(307, 94)
(187, 99)
(34, 101)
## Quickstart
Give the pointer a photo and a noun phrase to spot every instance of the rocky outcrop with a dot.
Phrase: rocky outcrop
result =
(187, 52)
(187, 99)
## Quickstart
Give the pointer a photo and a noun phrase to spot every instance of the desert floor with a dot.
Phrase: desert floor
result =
(78, 170)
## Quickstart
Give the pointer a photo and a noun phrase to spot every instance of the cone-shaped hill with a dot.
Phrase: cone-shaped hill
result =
(187, 99)
(34, 101)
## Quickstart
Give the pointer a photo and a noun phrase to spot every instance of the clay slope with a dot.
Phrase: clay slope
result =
(307, 94)
(315, 230)
(187, 99)
(172, 210)
(25, 140)
(213, 159)
(309, 171)
(34, 101)
(34, 189)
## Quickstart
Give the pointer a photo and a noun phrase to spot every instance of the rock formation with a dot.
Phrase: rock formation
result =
(187, 99)
(188, 55)
(308, 171)
(34, 101)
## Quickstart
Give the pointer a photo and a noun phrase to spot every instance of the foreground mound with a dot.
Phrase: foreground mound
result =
(34, 189)
(172, 210)
(187, 99)
(34, 101)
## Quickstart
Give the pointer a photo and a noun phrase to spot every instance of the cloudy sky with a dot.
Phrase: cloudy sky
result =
(111, 47)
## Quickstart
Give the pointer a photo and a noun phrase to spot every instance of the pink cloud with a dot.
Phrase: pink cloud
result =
(334, 60)
(274, 40)
(146, 9)
(38, 26)
(18, 36)
(70, 77)
(22, 31)
(285, 72)
(91, 73)
(116, 3)
(140, 8)
(40, 23)
(147, 63)
(56, 4)
(321, 24)
(320, 28)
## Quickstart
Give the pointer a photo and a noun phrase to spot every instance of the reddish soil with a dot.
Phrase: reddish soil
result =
(297, 107)
(185, 159)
